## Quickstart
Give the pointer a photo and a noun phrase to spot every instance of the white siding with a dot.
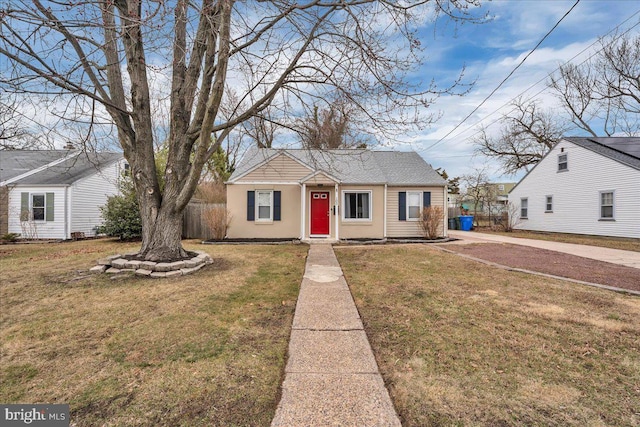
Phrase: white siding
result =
(38, 229)
(88, 195)
(576, 207)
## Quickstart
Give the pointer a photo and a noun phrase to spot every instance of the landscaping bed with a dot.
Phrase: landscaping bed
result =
(555, 263)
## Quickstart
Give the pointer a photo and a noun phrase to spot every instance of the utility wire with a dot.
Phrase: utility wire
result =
(505, 79)
(549, 75)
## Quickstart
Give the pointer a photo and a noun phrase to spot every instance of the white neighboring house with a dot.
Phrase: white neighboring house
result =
(53, 194)
(583, 186)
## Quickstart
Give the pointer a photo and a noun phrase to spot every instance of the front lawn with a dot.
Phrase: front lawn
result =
(206, 349)
(461, 343)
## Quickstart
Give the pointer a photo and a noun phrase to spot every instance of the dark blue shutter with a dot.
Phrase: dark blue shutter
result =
(276, 205)
(402, 206)
(251, 205)
(426, 199)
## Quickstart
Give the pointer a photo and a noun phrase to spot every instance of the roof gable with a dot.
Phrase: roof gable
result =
(270, 166)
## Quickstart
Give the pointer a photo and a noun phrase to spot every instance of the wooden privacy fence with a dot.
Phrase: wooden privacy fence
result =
(194, 225)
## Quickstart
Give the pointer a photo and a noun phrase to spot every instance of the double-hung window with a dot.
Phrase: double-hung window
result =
(524, 208)
(563, 164)
(549, 204)
(606, 205)
(264, 205)
(414, 205)
(357, 205)
(38, 207)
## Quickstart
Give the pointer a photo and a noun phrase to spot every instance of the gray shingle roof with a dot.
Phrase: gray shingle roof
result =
(353, 166)
(17, 162)
(80, 165)
(625, 150)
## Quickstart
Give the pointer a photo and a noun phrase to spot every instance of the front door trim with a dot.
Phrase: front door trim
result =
(319, 203)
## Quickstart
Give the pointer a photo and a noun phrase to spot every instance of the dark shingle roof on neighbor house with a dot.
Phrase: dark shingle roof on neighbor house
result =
(625, 150)
(68, 167)
(352, 166)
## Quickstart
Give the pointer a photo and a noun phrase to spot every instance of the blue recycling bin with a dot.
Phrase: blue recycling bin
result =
(466, 222)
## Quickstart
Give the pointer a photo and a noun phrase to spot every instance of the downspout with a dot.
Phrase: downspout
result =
(445, 226)
(67, 213)
(303, 203)
(337, 211)
(384, 226)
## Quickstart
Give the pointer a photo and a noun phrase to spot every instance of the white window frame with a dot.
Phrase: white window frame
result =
(548, 203)
(420, 198)
(565, 162)
(613, 205)
(344, 205)
(526, 201)
(257, 201)
(43, 207)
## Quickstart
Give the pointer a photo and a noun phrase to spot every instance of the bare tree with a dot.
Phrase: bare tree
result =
(605, 88)
(13, 131)
(527, 133)
(476, 188)
(284, 50)
(329, 128)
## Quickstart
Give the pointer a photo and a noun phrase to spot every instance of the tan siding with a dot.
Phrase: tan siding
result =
(240, 228)
(397, 228)
(280, 168)
(320, 179)
(373, 229)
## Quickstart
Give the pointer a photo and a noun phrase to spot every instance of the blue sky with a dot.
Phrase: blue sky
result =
(491, 50)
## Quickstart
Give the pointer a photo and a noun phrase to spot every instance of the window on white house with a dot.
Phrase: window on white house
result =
(549, 204)
(357, 205)
(264, 205)
(606, 205)
(524, 208)
(38, 207)
(414, 205)
(563, 163)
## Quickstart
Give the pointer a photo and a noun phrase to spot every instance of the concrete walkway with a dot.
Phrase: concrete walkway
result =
(331, 377)
(615, 256)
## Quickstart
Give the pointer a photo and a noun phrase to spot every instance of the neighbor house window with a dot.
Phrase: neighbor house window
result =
(563, 164)
(549, 204)
(414, 205)
(38, 207)
(606, 204)
(524, 208)
(357, 205)
(264, 205)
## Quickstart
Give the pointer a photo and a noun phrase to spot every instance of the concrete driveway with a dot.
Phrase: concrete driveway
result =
(615, 256)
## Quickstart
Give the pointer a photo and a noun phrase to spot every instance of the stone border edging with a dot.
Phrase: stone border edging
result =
(115, 264)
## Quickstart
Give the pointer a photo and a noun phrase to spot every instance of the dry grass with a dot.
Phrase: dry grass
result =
(460, 343)
(627, 244)
(207, 349)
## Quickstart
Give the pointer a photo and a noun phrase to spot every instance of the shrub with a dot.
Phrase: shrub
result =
(430, 221)
(218, 219)
(10, 237)
(121, 217)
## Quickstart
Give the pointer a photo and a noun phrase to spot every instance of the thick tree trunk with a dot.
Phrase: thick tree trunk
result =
(162, 239)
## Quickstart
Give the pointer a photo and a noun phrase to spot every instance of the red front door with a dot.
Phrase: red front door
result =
(319, 213)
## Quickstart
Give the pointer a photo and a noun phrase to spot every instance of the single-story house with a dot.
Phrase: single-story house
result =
(55, 194)
(331, 195)
(583, 186)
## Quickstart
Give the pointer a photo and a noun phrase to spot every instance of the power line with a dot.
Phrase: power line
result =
(505, 79)
(547, 76)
